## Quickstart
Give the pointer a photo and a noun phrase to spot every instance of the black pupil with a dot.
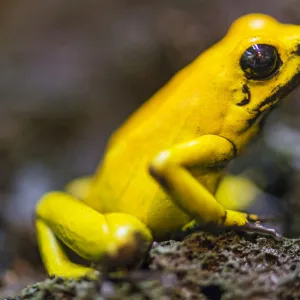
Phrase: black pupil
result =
(260, 61)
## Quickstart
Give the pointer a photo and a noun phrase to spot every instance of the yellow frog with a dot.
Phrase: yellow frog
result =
(162, 167)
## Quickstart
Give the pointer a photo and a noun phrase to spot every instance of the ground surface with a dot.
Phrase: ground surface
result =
(203, 266)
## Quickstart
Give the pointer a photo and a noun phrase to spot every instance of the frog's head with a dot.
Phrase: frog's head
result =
(258, 64)
(268, 54)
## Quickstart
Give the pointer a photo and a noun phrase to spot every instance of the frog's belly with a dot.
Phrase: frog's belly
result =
(164, 217)
(141, 196)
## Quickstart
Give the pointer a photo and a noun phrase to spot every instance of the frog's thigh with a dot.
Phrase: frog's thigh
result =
(171, 169)
(114, 238)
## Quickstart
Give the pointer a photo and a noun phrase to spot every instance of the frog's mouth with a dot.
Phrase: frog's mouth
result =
(269, 103)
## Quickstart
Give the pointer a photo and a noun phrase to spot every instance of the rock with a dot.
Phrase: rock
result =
(204, 265)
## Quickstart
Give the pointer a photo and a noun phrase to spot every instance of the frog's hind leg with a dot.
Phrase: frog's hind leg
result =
(114, 239)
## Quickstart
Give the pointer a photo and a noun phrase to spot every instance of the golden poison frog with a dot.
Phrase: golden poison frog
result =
(162, 168)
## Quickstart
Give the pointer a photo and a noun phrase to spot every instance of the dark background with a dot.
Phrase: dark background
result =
(72, 71)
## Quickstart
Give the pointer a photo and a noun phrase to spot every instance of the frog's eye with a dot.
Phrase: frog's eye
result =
(260, 61)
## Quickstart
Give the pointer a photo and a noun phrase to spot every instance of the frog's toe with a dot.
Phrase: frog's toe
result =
(261, 219)
(253, 218)
(264, 218)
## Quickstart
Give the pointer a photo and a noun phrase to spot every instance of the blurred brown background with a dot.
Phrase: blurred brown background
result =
(72, 71)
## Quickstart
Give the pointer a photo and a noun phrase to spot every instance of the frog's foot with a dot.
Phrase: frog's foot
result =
(247, 222)
(112, 240)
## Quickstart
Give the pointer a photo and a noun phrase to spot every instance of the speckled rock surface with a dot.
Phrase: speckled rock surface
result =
(203, 266)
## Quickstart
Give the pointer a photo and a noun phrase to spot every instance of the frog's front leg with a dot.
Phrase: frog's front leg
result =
(114, 239)
(171, 169)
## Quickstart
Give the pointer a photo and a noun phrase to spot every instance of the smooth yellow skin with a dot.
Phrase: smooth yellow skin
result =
(162, 167)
